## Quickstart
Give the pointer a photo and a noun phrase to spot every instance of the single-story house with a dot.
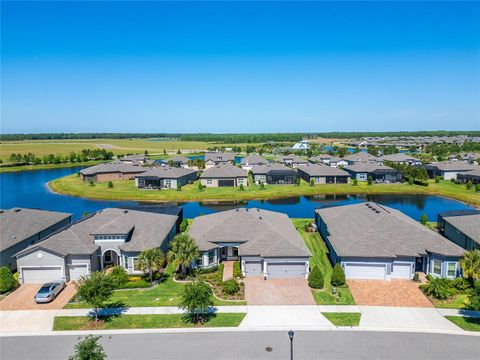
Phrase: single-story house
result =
(293, 161)
(264, 242)
(327, 159)
(224, 175)
(111, 171)
(401, 158)
(165, 177)
(20, 228)
(378, 172)
(301, 145)
(136, 159)
(323, 174)
(371, 241)
(274, 174)
(462, 227)
(361, 157)
(217, 158)
(473, 176)
(109, 237)
(449, 169)
(177, 161)
(249, 161)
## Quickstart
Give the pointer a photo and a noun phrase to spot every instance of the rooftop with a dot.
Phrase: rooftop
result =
(453, 166)
(264, 169)
(224, 171)
(113, 167)
(468, 222)
(219, 157)
(166, 172)
(253, 159)
(322, 170)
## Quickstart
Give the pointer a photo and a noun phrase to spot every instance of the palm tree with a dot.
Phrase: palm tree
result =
(471, 265)
(183, 250)
(151, 260)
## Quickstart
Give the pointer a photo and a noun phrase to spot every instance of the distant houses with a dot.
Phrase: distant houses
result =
(252, 160)
(217, 158)
(449, 169)
(330, 160)
(361, 171)
(111, 172)
(293, 161)
(401, 158)
(224, 175)
(274, 173)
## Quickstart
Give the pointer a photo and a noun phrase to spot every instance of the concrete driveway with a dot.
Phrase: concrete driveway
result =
(277, 291)
(22, 298)
(404, 293)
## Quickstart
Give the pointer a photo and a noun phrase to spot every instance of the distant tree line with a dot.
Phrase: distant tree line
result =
(443, 150)
(66, 136)
(72, 157)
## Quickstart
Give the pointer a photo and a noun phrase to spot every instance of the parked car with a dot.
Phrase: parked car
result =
(49, 291)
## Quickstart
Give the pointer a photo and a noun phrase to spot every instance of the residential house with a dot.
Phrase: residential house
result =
(473, 176)
(136, 160)
(110, 237)
(111, 171)
(165, 177)
(462, 227)
(177, 161)
(371, 241)
(302, 145)
(20, 228)
(327, 159)
(449, 169)
(361, 157)
(292, 161)
(274, 174)
(217, 158)
(249, 161)
(224, 175)
(379, 173)
(323, 174)
(401, 158)
(265, 243)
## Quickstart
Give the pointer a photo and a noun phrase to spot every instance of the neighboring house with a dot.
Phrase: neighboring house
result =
(472, 158)
(224, 175)
(165, 177)
(361, 157)
(323, 174)
(136, 160)
(217, 158)
(20, 228)
(109, 237)
(401, 158)
(465, 177)
(302, 145)
(378, 172)
(265, 242)
(111, 171)
(462, 227)
(293, 161)
(371, 241)
(449, 169)
(249, 161)
(328, 159)
(177, 161)
(274, 174)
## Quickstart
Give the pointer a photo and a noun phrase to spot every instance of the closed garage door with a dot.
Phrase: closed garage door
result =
(253, 268)
(41, 274)
(286, 270)
(401, 271)
(365, 271)
(77, 271)
(222, 183)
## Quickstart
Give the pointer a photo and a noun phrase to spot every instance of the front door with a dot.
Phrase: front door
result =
(223, 252)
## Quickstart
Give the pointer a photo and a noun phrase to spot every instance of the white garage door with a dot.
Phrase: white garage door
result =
(253, 268)
(77, 271)
(365, 271)
(286, 270)
(401, 271)
(41, 274)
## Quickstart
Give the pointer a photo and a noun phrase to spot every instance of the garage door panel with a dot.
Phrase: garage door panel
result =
(286, 270)
(41, 274)
(401, 271)
(365, 271)
(77, 271)
(253, 268)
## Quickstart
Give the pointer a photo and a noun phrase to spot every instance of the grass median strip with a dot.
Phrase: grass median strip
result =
(343, 319)
(465, 323)
(144, 322)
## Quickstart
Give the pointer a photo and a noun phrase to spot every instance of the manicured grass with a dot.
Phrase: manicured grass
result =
(126, 190)
(343, 319)
(6, 169)
(457, 301)
(466, 323)
(144, 322)
(319, 250)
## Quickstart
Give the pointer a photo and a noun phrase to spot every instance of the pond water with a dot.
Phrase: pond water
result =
(28, 189)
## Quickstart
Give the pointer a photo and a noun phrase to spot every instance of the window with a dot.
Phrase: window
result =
(209, 181)
(199, 261)
(136, 264)
(168, 183)
(437, 267)
(108, 256)
(451, 269)
(211, 257)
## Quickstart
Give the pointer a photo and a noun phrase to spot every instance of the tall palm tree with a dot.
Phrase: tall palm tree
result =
(471, 265)
(151, 260)
(183, 250)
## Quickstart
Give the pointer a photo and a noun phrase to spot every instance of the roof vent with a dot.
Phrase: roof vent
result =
(260, 217)
(125, 211)
(377, 211)
(258, 210)
(237, 210)
(17, 210)
(246, 209)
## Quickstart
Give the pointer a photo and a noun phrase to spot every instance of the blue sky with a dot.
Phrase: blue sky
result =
(239, 67)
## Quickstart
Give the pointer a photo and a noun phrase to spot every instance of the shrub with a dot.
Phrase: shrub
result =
(423, 219)
(91, 183)
(369, 180)
(437, 179)
(475, 298)
(355, 182)
(119, 276)
(231, 287)
(420, 182)
(477, 187)
(208, 270)
(7, 281)
(183, 225)
(460, 283)
(297, 181)
(315, 278)
(416, 277)
(219, 278)
(241, 187)
(262, 186)
(312, 182)
(410, 181)
(200, 186)
(469, 185)
(438, 288)
(452, 180)
(179, 187)
(237, 271)
(110, 185)
(140, 284)
(197, 297)
(338, 276)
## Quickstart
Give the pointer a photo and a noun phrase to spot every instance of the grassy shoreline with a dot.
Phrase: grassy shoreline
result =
(126, 190)
(9, 169)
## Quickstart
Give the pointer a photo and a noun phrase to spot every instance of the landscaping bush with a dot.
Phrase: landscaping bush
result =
(315, 278)
(219, 278)
(183, 225)
(355, 182)
(338, 276)
(7, 281)
(477, 187)
(469, 185)
(460, 284)
(410, 181)
(437, 179)
(91, 183)
(110, 185)
(297, 181)
(416, 277)
(262, 186)
(475, 298)
(237, 271)
(140, 284)
(312, 182)
(231, 287)
(438, 288)
(119, 276)
(241, 187)
(420, 182)
(208, 270)
(369, 180)
(423, 219)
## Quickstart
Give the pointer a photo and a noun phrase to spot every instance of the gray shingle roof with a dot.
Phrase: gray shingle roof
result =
(113, 167)
(372, 230)
(361, 157)
(322, 170)
(400, 157)
(166, 172)
(19, 224)
(452, 166)
(473, 173)
(469, 224)
(292, 158)
(265, 169)
(261, 232)
(223, 171)
(177, 159)
(253, 159)
(368, 167)
(149, 231)
(219, 157)
(320, 158)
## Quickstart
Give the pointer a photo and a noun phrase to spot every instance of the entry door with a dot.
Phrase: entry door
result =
(223, 252)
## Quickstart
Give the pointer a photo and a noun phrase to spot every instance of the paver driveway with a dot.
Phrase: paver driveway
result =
(388, 293)
(277, 291)
(22, 298)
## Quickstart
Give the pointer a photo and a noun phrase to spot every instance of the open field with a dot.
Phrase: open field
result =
(126, 190)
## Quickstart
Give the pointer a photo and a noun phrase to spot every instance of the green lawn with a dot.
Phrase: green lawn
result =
(343, 319)
(319, 251)
(457, 301)
(6, 169)
(126, 190)
(466, 323)
(145, 322)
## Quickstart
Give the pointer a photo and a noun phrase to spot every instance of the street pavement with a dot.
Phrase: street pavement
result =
(250, 345)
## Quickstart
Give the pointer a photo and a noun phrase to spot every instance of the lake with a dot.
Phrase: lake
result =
(28, 189)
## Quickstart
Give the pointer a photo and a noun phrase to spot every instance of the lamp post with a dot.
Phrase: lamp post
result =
(290, 335)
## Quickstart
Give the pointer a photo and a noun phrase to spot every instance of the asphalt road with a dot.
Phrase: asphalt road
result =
(253, 345)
